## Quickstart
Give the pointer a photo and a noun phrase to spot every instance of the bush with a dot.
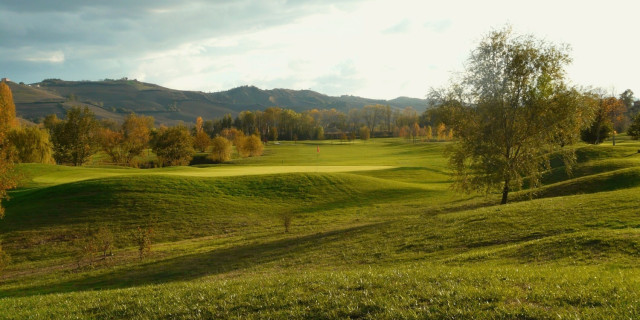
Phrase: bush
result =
(85, 248)
(597, 132)
(365, 133)
(249, 146)
(221, 149)
(201, 141)
(31, 145)
(142, 238)
(634, 129)
(174, 146)
(4, 258)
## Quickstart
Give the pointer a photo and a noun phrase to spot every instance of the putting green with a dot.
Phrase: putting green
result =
(67, 175)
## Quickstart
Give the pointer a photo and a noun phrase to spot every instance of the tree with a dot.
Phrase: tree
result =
(74, 139)
(634, 128)
(602, 125)
(508, 111)
(31, 144)
(221, 149)
(137, 134)
(174, 146)
(103, 240)
(7, 121)
(318, 133)
(201, 139)
(142, 237)
(441, 131)
(365, 133)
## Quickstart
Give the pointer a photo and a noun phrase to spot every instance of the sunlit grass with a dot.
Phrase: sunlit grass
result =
(376, 233)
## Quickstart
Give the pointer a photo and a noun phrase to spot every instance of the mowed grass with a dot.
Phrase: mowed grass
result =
(376, 233)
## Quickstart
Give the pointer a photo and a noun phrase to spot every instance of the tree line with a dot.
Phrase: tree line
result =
(372, 121)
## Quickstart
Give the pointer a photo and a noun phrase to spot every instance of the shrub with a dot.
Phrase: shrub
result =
(85, 248)
(174, 146)
(221, 149)
(634, 129)
(104, 240)
(142, 237)
(250, 146)
(4, 258)
(31, 145)
(365, 133)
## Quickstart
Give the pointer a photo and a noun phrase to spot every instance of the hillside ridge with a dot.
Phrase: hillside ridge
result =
(114, 99)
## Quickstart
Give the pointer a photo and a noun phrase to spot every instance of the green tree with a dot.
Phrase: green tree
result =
(174, 146)
(221, 149)
(634, 128)
(31, 145)
(74, 139)
(508, 111)
(318, 133)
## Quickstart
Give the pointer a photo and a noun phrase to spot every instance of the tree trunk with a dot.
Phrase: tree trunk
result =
(505, 192)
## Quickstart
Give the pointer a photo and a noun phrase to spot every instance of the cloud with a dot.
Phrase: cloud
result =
(51, 57)
(374, 48)
(400, 27)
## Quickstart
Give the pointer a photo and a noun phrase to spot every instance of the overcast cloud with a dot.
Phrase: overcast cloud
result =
(377, 49)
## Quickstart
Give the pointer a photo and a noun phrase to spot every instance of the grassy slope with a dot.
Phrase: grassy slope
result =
(384, 243)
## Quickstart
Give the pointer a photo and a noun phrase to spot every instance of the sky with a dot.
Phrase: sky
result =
(377, 49)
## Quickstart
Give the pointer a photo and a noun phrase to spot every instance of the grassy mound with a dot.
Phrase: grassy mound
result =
(387, 243)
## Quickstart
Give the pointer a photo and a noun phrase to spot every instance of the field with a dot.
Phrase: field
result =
(375, 232)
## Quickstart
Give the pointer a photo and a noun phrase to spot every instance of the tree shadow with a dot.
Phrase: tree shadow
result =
(192, 266)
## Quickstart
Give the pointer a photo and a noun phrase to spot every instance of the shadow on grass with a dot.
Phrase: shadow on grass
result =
(192, 266)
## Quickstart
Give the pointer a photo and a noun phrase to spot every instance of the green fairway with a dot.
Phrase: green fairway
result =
(375, 232)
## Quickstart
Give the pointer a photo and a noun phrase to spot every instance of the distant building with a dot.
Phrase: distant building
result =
(5, 80)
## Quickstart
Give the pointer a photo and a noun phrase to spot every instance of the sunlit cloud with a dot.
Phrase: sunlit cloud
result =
(377, 49)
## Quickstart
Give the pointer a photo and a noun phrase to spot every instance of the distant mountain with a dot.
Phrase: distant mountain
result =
(114, 99)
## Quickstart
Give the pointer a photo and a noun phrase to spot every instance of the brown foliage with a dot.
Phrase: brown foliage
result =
(142, 238)
(221, 149)
(250, 146)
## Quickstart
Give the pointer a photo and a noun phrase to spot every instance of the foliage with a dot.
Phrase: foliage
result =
(603, 124)
(508, 112)
(74, 139)
(250, 146)
(318, 133)
(365, 133)
(287, 218)
(174, 146)
(4, 258)
(8, 179)
(7, 110)
(201, 139)
(31, 144)
(221, 149)
(142, 238)
(441, 132)
(86, 248)
(634, 128)
(123, 145)
(104, 240)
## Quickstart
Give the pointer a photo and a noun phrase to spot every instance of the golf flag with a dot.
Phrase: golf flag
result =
(318, 149)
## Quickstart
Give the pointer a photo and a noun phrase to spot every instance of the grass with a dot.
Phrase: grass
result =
(376, 233)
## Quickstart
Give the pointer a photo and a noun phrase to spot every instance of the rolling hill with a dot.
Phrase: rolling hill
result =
(376, 234)
(113, 99)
